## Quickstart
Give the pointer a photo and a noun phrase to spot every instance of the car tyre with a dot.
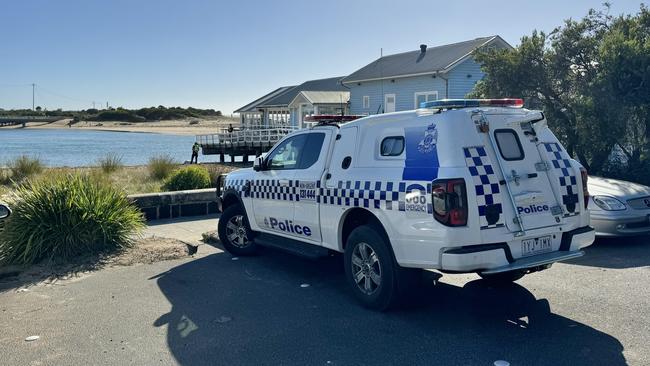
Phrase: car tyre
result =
(370, 269)
(235, 232)
(504, 278)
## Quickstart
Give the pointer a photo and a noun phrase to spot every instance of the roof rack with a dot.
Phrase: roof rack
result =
(331, 119)
(473, 103)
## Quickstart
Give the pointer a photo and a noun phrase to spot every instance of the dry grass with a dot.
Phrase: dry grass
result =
(130, 179)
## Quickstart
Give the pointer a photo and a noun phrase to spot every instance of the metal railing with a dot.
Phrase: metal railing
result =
(245, 137)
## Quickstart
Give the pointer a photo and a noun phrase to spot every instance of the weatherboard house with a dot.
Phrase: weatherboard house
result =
(288, 106)
(391, 83)
(403, 81)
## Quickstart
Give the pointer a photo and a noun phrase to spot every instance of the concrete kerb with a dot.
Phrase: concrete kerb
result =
(166, 205)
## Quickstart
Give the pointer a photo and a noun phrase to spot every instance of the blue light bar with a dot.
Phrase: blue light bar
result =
(473, 103)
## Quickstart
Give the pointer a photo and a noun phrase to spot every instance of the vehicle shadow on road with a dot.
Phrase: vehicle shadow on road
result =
(617, 253)
(254, 311)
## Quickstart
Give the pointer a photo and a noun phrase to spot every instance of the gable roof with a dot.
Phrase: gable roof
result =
(323, 97)
(283, 99)
(437, 59)
(252, 106)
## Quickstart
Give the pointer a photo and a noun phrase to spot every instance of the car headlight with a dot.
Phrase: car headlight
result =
(609, 203)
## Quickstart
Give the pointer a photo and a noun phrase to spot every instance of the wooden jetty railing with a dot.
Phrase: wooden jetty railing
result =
(242, 142)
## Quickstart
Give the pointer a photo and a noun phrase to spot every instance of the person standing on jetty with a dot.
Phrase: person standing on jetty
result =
(195, 153)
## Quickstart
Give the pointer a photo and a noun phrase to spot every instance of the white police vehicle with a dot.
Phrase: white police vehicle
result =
(458, 186)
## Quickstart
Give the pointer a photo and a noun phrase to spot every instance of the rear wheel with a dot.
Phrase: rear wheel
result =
(371, 271)
(503, 278)
(235, 233)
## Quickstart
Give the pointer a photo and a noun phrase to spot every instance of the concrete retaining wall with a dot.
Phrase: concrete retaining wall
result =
(166, 205)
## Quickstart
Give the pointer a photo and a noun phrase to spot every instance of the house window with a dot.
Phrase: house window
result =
(423, 97)
(366, 102)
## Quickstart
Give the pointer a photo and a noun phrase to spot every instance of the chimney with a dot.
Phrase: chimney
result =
(423, 48)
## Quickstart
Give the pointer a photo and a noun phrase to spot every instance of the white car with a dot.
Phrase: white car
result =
(459, 186)
(619, 208)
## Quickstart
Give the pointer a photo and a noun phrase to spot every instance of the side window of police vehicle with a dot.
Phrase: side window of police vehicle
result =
(392, 146)
(509, 145)
(298, 152)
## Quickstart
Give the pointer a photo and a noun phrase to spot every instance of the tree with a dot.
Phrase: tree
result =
(561, 73)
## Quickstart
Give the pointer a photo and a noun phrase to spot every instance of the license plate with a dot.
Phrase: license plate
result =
(535, 246)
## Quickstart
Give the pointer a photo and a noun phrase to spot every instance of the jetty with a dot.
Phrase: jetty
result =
(17, 120)
(241, 142)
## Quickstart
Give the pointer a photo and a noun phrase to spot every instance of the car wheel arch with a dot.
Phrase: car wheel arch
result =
(355, 217)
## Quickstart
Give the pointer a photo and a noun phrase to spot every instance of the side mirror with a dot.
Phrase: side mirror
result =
(258, 164)
(4, 212)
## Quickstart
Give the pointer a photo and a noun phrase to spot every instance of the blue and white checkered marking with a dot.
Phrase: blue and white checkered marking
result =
(568, 181)
(236, 184)
(271, 189)
(367, 194)
(373, 194)
(486, 185)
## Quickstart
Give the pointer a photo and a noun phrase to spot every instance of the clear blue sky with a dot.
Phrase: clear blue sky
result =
(221, 55)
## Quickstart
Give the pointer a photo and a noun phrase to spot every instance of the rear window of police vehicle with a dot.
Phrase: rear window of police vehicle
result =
(509, 144)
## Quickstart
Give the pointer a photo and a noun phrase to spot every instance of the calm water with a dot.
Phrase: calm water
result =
(83, 148)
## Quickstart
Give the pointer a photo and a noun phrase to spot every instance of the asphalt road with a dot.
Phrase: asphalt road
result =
(212, 310)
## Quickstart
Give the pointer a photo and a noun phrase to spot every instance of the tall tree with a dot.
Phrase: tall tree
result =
(562, 74)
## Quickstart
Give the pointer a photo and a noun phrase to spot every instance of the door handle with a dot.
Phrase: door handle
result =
(284, 182)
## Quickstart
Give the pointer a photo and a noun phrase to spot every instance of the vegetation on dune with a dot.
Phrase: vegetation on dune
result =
(190, 177)
(21, 168)
(65, 215)
(590, 77)
(160, 167)
(121, 114)
(110, 163)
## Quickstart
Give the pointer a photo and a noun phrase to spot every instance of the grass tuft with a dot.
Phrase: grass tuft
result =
(160, 167)
(110, 163)
(24, 167)
(61, 216)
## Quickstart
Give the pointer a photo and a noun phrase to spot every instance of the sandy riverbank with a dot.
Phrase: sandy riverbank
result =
(173, 127)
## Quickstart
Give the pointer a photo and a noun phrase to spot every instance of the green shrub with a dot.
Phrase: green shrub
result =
(191, 177)
(160, 167)
(24, 167)
(110, 163)
(67, 215)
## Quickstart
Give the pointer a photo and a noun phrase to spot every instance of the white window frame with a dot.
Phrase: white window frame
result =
(426, 94)
(366, 102)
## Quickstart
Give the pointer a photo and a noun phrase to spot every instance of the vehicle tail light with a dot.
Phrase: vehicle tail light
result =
(449, 197)
(585, 188)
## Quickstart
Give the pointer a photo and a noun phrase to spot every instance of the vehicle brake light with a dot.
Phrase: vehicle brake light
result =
(585, 189)
(449, 197)
(469, 103)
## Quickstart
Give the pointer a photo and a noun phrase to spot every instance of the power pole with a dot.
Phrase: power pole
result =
(33, 92)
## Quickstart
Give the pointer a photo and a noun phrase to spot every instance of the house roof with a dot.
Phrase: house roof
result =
(324, 97)
(283, 99)
(437, 59)
(252, 106)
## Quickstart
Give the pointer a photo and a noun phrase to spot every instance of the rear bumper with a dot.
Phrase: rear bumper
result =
(496, 258)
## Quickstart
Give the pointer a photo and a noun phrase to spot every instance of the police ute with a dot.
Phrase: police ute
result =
(457, 186)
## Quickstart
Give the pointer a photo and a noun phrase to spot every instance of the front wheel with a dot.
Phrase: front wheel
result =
(370, 269)
(235, 233)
